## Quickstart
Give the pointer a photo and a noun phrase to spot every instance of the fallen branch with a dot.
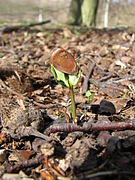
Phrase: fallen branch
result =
(9, 29)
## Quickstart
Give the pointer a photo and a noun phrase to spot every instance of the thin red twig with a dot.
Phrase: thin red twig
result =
(102, 126)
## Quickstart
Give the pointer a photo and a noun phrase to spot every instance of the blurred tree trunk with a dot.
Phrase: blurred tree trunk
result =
(75, 12)
(107, 2)
(83, 11)
(89, 11)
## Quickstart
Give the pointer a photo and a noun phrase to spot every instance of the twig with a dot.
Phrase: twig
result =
(122, 80)
(25, 164)
(106, 77)
(102, 126)
(8, 29)
(86, 79)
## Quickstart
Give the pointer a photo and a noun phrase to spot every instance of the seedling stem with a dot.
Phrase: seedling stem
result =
(73, 103)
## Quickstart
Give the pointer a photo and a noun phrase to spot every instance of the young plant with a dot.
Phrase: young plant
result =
(88, 94)
(66, 72)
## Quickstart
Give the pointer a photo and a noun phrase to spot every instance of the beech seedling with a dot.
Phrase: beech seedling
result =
(66, 72)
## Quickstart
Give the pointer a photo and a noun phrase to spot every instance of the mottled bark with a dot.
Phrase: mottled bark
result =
(89, 11)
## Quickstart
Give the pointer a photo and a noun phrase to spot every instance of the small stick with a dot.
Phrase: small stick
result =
(102, 126)
(105, 78)
(113, 126)
(86, 79)
(122, 80)
(25, 164)
(9, 29)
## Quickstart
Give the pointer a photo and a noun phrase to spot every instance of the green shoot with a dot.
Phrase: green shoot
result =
(67, 80)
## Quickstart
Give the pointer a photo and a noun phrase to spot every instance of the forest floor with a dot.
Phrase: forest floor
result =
(102, 144)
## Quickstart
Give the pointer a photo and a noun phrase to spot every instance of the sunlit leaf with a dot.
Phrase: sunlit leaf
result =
(73, 80)
(65, 79)
(60, 77)
(88, 94)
